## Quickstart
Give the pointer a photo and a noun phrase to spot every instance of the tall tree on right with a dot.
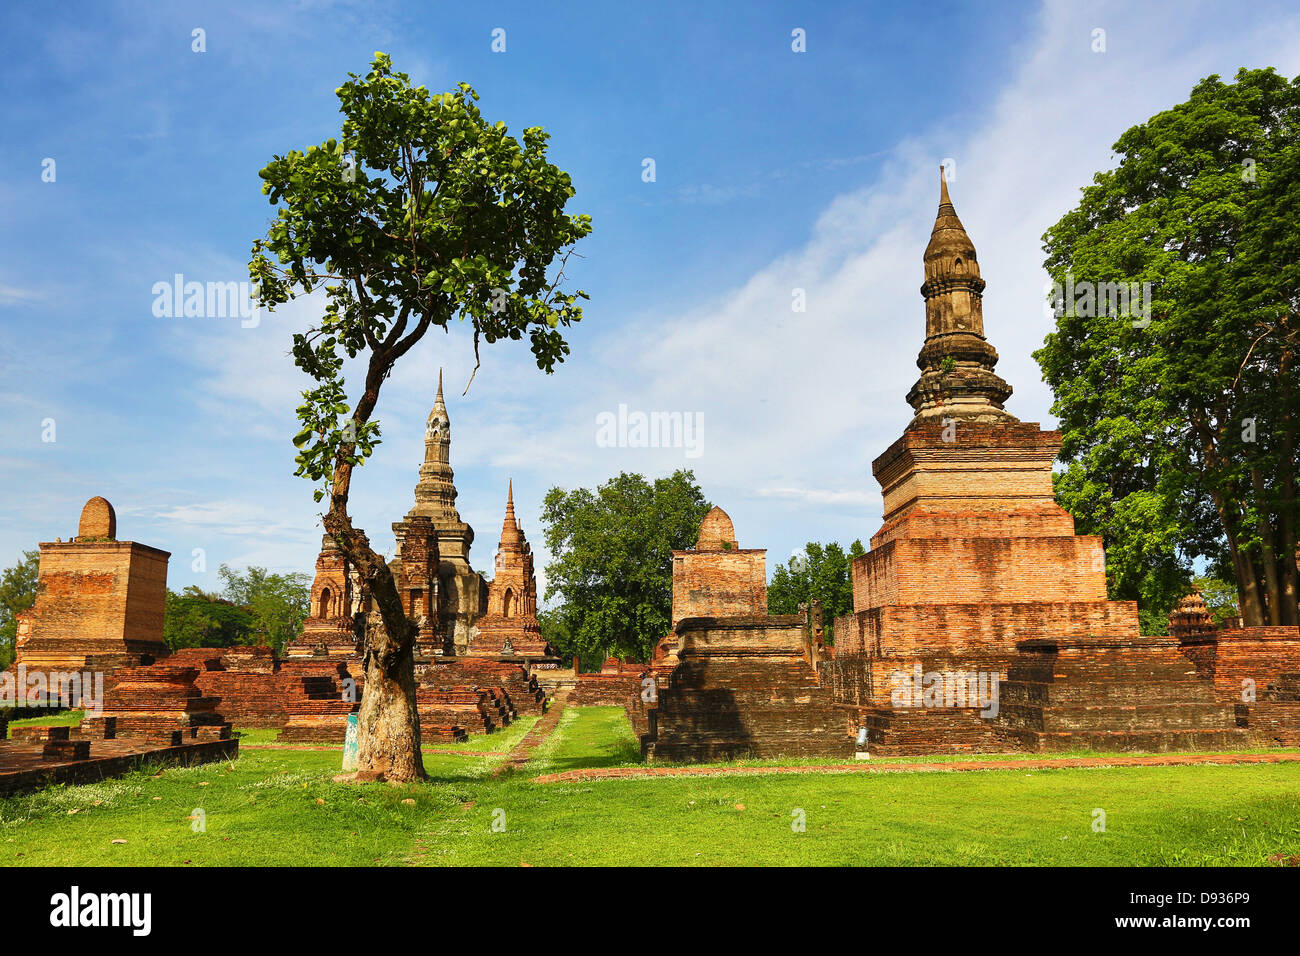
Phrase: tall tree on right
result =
(1179, 419)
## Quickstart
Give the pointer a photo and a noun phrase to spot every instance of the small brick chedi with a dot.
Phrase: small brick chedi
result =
(99, 601)
(717, 578)
(744, 683)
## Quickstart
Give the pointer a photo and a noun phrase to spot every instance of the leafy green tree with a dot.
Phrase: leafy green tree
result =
(1179, 421)
(819, 573)
(277, 603)
(17, 593)
(195, 618)
(611, 565)
(421, 213)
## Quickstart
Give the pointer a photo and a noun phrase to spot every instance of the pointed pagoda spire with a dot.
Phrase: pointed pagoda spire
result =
(510, 533)
(957, 378)
(435, 493)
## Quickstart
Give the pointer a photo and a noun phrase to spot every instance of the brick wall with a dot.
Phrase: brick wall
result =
(719, 583)
(968, 570)
(95, 598)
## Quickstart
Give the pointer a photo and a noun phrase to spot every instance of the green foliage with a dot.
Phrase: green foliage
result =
(421, 212)
(611, 564)
(277, 603)
(820, 573)
(196, 619)
(1179, 435)
(17, 593)
(255, 608)
(1220, 598)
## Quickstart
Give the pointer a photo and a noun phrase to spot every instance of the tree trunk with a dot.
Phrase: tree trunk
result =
(1286, 481)
(1252, 614)
(388, 726)
(1248, 600)
(1290, 586)
(1267, 553)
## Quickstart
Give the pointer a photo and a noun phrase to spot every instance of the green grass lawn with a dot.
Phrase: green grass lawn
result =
(281, 807)
(65, 718)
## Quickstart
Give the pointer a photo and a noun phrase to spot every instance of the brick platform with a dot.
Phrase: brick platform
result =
(1114, 694)
(24, 766)
(304, 696)
(157, 702)
(743, 687)
(526, 694)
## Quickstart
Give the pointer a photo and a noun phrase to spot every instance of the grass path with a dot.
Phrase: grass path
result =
(542, 730)
(280, 807)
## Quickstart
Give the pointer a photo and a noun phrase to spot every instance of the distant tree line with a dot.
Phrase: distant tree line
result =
(255, 607)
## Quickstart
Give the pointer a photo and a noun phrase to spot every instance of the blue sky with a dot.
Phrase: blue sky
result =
(775, 171)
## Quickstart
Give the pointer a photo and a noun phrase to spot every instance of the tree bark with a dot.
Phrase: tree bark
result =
(1286, 480)
(1247, 584)
(1267, 553)
(388, 725)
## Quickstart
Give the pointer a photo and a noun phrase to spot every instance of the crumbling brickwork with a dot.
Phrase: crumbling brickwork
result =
(744, 687)
(717, 578)
(99, 602)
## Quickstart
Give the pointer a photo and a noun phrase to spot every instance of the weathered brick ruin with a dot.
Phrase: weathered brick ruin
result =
(157, 701)
(99, 601)
(980, 618)
(462, 592)
(337, 597)
(466, 627)
(509, 628)
(416, 573)
(977, 574)
(98, 614)
(744, 683)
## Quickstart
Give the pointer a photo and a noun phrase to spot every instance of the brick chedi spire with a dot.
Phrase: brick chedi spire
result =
(957, 378)
(509, 629)
(512, 539)
(435, 493)
(462, 591)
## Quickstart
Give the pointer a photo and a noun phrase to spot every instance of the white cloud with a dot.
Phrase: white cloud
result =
(12, 295)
